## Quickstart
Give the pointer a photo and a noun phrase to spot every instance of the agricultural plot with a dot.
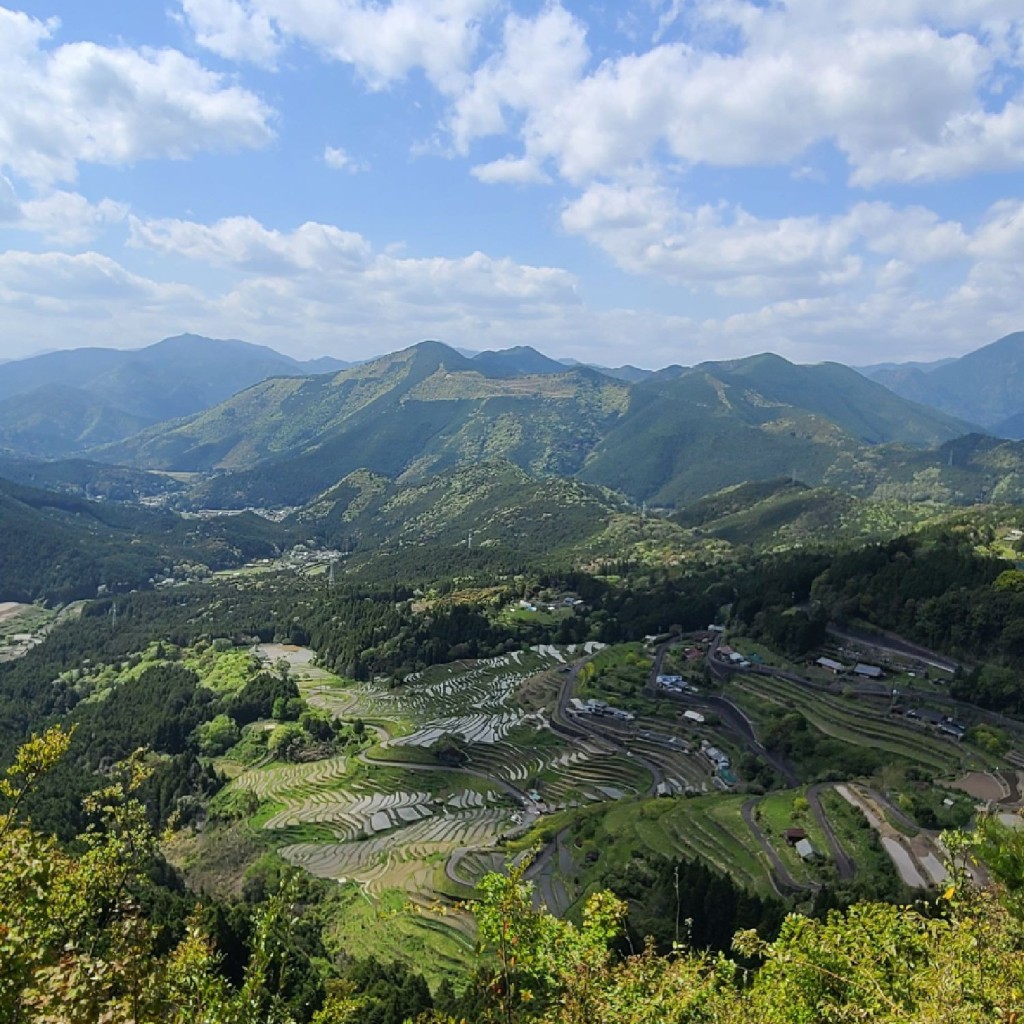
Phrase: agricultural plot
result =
(406, 859)
(708, 828)
(391, 925)
(856, 723)
(352, 803)
(475, 703)
(22, 626)
(919, 860)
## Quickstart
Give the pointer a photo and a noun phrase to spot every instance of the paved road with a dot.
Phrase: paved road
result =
(590, 728)
(736, 721)
(899, 818)
(659, 657)
(894, 644)
(846, 868)
(781, 879)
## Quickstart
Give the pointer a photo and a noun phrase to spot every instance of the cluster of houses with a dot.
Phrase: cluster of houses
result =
(717, 757)
(675, 684)
(938, 721)
(740, 660)
(837, 668)
(598, 708)
(721, 763)
(565, 601)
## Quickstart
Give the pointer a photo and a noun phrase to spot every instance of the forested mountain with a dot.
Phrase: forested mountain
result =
(87, 479)
(676, 435)
(481, 505)
(54, 419)
(419, 410)
(63, 402)
(687, 432)
(60, 547)
(985, 386)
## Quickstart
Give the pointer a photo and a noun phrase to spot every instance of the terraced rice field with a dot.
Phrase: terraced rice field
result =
(405, 859)
(710, 829)
(475, 703)
(858, 724)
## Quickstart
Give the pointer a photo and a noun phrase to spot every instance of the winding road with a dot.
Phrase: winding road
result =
(783, 882)
(846, 867)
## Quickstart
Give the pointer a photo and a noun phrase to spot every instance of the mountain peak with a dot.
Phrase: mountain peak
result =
(519, 361)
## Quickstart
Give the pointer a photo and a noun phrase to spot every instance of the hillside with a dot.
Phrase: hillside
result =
(669, 438)
(99, 395)
(492, 503)
(688, 432)
(413, 412)
(780, 513)
(60, 547)
(985, 386)
(54, 419)
(87, 479)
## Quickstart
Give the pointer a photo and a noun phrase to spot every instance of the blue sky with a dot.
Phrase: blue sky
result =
(664, 181)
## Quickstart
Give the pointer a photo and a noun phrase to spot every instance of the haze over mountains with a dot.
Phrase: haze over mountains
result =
(258, 428)
(64, 402)
(985, 386)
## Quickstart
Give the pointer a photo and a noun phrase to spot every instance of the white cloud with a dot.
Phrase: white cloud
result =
(244, 244)
(354, 301)
(384, 42)
(83, 284)
(644, 231)
(904, 90)
(10, 208)
(233, 29)
(540, 60)
(340, 269)
(80, 102)
(64, 218)
(68, 218)
(510, 170)
(338, 160)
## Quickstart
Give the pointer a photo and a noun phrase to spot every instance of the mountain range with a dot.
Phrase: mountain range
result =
(228, 424)
(670, 437)
(985, 386)
(65, 402)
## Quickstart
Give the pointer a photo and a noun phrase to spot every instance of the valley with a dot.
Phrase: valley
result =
(730, 641)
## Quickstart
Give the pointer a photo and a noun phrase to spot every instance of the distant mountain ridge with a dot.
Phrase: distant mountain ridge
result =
(97, 395)
(985, 386)
(672, 436)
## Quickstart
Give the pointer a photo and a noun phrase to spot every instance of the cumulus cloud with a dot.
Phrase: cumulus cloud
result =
(907, 91)
(80, 102)
(384, 42)
(233, 29)
(338, 160)
(64, 218)
(644, 230)
(318, 273)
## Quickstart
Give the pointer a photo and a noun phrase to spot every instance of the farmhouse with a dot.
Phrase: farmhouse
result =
(806, 851)
(835, 667)
(717, 757)
(694, 716)
(867, 671)
(953, 728)
(794, 835)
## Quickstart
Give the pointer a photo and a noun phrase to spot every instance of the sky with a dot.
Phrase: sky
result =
(651, 182)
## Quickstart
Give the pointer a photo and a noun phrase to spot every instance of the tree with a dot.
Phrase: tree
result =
(216, 736)
(75, 944)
